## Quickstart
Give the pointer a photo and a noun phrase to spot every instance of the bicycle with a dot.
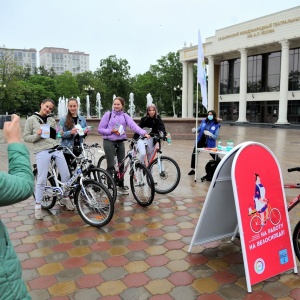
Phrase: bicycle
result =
(164, 170)
(291, 205)
(91, 171)
(141, 181)
(91, 198)
(257, 222)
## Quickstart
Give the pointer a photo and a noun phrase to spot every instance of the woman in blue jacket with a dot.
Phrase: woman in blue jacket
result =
(70, 136)
(112, 128)
(208, 132)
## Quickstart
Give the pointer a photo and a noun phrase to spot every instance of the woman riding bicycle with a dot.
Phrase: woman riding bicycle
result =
(151, 120)
(41, 145)
(112, 128)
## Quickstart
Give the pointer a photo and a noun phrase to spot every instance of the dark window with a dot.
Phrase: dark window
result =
(294, 70)
(293, 114)
(254, 70)
(230, 76)
(274, 72)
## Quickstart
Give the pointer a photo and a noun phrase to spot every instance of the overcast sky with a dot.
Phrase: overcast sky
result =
(140, 31)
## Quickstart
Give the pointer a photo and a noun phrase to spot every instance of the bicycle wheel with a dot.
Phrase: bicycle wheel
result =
(142, 184)
(49, 196)
(296, 240)
(255, 224)
(167, 176)
(102, 162)
(102, 176)
(275, 216)
(94, 203)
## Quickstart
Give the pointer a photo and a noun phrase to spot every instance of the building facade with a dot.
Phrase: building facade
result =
(62, 60)
(253, 70)
(25, 58)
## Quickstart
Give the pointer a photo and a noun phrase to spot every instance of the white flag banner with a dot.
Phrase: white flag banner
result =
(201, 74)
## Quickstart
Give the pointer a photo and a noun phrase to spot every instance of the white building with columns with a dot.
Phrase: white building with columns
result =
(253, 70)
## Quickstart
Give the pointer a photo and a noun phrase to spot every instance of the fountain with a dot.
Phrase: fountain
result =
(78, 101)
(62, 109)
(98, 104)
(149, 99)
(88, 114)
(131, 110)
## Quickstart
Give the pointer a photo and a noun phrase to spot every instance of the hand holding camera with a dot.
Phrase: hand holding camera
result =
(12, 130)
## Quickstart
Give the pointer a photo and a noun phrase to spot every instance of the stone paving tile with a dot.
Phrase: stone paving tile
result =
(141, 254)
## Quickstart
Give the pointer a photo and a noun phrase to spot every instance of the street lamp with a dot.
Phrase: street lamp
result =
(89, 89)
(178, 91)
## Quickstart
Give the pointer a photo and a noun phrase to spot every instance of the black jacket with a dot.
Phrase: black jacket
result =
(156, 124)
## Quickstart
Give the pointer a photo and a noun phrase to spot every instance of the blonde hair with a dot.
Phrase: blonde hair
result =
(155, 108)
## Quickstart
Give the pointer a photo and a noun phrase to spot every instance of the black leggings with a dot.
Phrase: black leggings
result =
(109, 149)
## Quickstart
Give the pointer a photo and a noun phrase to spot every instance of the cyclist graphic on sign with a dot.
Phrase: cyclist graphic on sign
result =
(262, 210)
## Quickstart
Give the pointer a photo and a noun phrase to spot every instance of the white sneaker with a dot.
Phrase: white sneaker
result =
(38, 212)
(68, 203)
(122, 191)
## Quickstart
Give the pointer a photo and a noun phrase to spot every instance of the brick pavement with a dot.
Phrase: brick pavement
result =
(143, 252)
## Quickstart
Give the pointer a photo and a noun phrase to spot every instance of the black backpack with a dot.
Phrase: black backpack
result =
(210, 169)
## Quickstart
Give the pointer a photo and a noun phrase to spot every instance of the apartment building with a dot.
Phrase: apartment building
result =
(22, 57)
(61, 60)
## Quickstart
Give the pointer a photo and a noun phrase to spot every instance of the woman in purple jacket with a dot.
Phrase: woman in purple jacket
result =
(112, 128)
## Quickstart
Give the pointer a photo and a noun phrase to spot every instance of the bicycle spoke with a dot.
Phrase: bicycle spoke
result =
(94, 203)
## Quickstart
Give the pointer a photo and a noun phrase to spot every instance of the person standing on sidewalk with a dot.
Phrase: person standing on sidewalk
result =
(112, 128)
(42, 143)
(151, 120)
(15, 186)
(70, 136)
(208, 132)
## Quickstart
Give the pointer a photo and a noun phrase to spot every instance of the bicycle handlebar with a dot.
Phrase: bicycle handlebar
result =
(294, 169)
(55, 148)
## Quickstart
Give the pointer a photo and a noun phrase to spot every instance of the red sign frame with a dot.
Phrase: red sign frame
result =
(262, 214)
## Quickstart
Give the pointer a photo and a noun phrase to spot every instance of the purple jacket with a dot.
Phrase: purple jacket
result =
(111, 119)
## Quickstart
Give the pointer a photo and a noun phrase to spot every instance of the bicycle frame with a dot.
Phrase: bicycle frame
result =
(151, 155)
(296, 200)
(130, 157)
(67, 186)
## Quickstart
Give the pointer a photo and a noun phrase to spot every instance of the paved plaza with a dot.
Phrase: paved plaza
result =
(143, 252)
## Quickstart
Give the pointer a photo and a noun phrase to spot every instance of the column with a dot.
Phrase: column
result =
(190, 94)
(284, 83)
(243, 87)
(184, 90)
(211, 83)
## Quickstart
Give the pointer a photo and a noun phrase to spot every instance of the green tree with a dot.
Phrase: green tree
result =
(143, 84)
(66, 85)
(84, 80)
(9, 73)
(168, 72)
(114, 75)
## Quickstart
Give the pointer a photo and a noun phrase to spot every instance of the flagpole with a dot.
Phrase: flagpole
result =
(196, 134)
(201, 79)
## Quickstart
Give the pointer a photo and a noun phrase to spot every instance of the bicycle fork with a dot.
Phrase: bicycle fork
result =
(160, 165)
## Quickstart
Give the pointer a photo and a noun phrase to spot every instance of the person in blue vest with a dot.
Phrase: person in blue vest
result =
(208, 132)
